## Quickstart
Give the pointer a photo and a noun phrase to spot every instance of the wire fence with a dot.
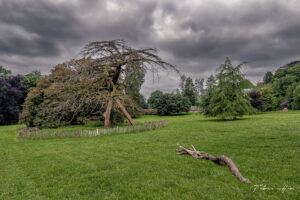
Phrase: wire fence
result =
(60, 133)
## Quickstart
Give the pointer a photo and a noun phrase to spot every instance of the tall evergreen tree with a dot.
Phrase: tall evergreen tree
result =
(228, 100)
(190, 91)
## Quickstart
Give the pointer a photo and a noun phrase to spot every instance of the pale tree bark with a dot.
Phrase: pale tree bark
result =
(107, 114)
(127, 115)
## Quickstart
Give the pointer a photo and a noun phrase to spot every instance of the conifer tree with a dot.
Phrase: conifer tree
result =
(229, 101)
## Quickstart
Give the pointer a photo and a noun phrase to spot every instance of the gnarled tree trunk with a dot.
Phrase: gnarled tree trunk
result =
(221, 160)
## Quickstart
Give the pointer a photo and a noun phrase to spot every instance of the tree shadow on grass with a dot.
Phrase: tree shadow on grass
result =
(226, 120)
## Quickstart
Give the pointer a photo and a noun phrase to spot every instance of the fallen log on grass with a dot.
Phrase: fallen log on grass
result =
(221, 160)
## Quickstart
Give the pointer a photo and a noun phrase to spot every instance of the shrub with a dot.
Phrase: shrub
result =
(270, 101)
(155, 96)
(149, 112)
(256, 100)
(169, 104)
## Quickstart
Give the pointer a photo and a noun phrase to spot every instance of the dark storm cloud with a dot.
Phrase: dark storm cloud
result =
(265, 33)
(43, 25)
(195, 35)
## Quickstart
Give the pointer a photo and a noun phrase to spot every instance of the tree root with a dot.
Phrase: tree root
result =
(221, 160)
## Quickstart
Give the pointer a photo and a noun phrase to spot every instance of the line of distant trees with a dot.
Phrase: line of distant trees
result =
(226, 95)
(229, 95)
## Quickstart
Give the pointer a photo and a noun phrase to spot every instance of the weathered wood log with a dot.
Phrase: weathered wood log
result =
(127, 115)
(221, 160)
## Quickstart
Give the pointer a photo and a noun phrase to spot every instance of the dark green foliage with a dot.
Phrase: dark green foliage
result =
(284, 77)
(153, 100)
(168, 104)
(190, 89)
(292, 95)
(12, 96)
(227, 100)
(29, 80)
(296, 98)
(268, 77)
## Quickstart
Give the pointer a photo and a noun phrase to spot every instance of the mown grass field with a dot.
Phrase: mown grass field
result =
(265, 147)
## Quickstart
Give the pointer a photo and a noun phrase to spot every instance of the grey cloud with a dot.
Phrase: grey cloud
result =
(195, 35)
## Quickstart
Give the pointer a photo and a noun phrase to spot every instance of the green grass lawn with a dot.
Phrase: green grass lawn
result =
(265, 148)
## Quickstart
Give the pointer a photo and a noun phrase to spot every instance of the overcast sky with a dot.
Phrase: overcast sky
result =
(194, 35)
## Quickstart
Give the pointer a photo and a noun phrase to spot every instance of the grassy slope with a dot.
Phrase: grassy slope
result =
(265, 147)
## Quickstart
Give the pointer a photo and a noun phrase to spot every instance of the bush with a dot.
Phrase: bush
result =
(256, 100)
(149, 112)
(169, 104)
(155, 96)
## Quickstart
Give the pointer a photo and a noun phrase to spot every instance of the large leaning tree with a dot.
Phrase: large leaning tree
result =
(94, 86)
(109, 60)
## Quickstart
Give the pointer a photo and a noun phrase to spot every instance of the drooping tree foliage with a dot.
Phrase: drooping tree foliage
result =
(228, 100)
(12, 95)
(86, 88)
(70, 95)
